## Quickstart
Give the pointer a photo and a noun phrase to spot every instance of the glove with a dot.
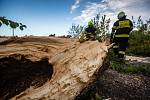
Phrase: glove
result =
(112, 36)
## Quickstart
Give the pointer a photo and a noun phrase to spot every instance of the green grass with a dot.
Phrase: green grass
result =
(127, 67)
(139, 44)
(131, 68)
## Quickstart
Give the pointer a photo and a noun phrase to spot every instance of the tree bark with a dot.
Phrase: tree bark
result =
(74, 65)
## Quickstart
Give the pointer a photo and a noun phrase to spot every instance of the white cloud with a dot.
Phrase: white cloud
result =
(75, 6)
(112, 7)
(90, 11)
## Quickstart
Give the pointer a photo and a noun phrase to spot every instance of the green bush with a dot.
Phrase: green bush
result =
(139, 44)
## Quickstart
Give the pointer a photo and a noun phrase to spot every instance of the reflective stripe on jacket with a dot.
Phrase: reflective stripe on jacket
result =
(123, 24)
(122, 35)
(122, 28)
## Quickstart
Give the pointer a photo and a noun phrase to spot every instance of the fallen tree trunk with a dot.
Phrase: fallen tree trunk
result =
(73, 70)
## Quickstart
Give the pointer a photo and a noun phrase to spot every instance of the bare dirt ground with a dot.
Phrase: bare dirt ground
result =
(112, 85)
(118, 86)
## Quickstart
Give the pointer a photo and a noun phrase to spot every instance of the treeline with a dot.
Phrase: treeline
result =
(141, 25)
(102, 24)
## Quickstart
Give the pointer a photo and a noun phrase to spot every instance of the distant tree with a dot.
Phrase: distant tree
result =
(75, 30)
(148, 25)
(102, 25)
(12, 24)
(133, 21)
(140, 24)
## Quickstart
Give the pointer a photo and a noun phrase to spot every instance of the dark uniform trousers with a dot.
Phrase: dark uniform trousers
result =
(120, 46)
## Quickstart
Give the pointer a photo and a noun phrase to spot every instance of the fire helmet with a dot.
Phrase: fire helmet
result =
(90, 24)
(121, 15)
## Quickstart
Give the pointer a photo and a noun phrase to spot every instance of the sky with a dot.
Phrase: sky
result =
(44, 17)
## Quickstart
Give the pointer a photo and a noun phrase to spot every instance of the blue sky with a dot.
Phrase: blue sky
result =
(44, 17)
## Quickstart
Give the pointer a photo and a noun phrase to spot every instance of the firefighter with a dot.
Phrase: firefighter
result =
(90, 31)
(120, 35)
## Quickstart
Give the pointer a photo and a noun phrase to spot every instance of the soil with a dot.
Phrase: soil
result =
(18, 73)
(112, 85)
(124, 87)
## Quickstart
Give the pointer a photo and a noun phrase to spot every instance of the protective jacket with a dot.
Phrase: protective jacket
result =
(122, 28)
(90, 29)
(120, 36)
